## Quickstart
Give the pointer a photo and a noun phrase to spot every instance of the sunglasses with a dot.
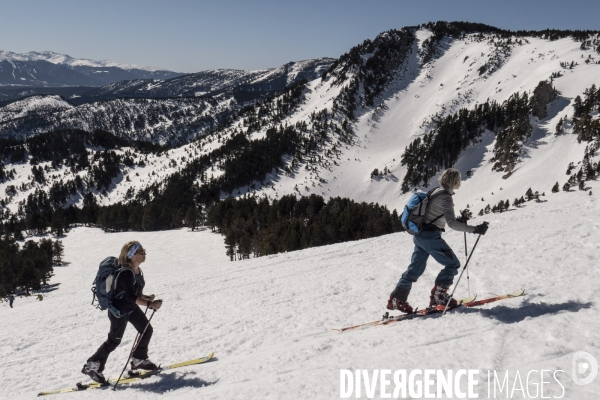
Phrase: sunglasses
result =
(141, 251)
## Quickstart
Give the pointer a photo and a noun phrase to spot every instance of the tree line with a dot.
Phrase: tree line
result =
(585, 124)
(259, 226)
(441, 147)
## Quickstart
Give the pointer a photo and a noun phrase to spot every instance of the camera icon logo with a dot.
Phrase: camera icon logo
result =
(584, 368)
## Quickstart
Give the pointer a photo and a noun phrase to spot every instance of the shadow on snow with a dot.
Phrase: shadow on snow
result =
(509, 315)
(171, 381)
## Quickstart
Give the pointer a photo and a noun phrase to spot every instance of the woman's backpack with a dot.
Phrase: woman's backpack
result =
(105, 285)
(415, 211)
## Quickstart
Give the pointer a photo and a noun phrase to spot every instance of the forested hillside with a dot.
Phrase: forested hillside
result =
(328, 159)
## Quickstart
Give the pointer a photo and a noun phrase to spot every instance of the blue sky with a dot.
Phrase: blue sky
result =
(190, 36)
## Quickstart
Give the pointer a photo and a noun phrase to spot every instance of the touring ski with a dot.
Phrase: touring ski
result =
(440, 309)
(386, 317)
(467, 302)
(136, 376)
(426, 311)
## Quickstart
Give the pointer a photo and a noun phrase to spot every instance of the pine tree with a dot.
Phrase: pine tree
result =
(56, 226)
(18, 233)
(29, 277)
(58, 251)
(555, 188)
(150, 217)
(191, 218)
(570, 168)
(529, 194)
(559, 127)
(466, 213)
(566, 187)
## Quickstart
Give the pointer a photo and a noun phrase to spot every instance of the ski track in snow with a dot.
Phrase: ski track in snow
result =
(269, 319)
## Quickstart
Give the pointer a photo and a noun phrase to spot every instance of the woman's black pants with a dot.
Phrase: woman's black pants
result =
(117, 328)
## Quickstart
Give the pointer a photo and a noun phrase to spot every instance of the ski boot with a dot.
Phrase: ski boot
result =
(397, 301)
(439, 297)
(92, 369)
(145, 364)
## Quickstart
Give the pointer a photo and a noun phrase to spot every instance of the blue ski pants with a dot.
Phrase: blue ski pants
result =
(430, 243)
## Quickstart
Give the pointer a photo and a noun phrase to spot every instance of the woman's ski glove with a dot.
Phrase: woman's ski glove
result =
(481, 229)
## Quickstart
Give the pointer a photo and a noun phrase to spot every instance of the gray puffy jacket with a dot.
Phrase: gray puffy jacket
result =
(441, 204)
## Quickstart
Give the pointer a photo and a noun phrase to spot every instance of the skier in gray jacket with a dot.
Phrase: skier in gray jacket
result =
(430, 243)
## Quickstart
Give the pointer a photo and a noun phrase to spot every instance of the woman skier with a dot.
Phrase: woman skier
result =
(131, 282)
(430, 243)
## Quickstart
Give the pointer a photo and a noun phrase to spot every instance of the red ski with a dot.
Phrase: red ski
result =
(493, 299)
(468, 302)
(440, 309)
(386, 317)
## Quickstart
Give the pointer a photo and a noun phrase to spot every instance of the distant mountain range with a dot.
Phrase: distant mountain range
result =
(213, 82)
(169, 112)
(44, 69)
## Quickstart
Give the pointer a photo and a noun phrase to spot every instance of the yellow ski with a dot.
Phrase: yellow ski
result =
(142, 375)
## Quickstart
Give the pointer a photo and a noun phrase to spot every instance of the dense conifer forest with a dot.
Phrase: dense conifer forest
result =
(29, 266)
(258, 226)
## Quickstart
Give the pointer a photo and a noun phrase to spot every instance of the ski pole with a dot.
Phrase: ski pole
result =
(460, 276)
(466, 256)
(134, 349)
(135, 342)
(137, 337)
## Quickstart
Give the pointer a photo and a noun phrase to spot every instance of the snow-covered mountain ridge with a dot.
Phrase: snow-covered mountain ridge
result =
(56, 58)
(47, 68)
(212, 82)
(353, 127)
(172, 111)
(37, 105)
(162, 121)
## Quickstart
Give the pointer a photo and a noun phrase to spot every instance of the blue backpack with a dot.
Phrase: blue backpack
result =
(415, 211)
(105, 285)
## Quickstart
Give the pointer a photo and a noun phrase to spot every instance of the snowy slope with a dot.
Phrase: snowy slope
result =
(441, 87)
(269, 319)
(33, 105)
